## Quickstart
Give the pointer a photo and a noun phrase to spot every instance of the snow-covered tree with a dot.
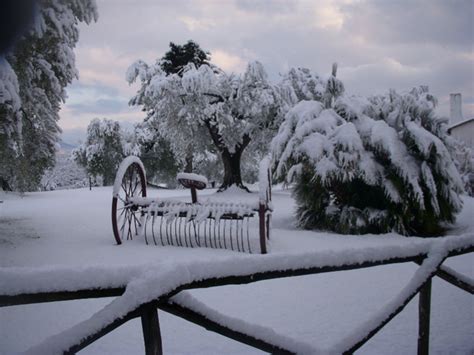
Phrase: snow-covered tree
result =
(32, 87)
(464, 160)
(103, 150)
(207, 106)
(369, 165)
(154, 151)
(66, 174)
(179, 56)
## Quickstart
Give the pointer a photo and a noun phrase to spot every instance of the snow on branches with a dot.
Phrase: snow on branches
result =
(369, 165)
(204, 106)
(34, 78)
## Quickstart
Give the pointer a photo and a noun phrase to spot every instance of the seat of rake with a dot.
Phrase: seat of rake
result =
(239, 221)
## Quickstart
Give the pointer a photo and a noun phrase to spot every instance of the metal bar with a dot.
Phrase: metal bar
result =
(199, 319)
(151, 330)
(424, 309)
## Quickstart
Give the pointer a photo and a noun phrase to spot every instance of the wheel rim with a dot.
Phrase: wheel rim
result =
(125, 217)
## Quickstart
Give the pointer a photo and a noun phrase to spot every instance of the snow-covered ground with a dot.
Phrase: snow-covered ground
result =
(73, 228)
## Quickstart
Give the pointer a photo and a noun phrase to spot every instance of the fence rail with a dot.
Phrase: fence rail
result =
(150, 322)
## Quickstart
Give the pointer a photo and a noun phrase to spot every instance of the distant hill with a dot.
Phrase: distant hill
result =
(65, 148)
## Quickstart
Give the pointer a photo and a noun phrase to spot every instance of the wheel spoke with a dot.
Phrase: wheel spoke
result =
(135, 223)
(123, 226)
(137, 182)
(129, 234)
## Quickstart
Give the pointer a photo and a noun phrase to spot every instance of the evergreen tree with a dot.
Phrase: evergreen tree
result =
(155, 152)
(34, 76)
(179, 56)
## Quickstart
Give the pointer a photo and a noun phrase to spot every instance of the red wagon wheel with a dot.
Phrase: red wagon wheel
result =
(130, 182)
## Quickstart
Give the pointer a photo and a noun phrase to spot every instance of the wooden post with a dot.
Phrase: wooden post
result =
(263, 235)
(193, 194)
(151, 330)
(424, 309)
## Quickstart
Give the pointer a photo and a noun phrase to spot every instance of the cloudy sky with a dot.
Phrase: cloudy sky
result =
(378, 45)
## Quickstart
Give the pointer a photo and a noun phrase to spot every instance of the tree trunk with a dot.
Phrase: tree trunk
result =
(232, 174)
(231, 160)
(188, 167)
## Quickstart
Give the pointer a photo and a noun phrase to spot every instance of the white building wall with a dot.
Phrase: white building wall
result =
(465, 133)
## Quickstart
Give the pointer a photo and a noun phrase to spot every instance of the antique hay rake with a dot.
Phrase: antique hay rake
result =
(225, 222)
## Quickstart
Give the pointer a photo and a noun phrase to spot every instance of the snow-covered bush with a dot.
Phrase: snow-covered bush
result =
(369, 165)
(66, 174)
(464, 160)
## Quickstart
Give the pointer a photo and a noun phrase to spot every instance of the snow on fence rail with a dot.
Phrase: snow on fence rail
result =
(144, 288)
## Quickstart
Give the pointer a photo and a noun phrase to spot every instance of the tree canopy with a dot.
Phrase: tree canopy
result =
(104, 149)
(204, 105)
(179, 56)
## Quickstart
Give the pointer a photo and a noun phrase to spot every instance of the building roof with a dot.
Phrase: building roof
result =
(457, 124)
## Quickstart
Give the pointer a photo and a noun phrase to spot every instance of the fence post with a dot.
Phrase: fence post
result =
(151, 330)
(424, 309)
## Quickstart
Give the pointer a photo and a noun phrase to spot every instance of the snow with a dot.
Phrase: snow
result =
(121, 172)
(192, 176)
(70, 247)
(186, 299)
(9, 86)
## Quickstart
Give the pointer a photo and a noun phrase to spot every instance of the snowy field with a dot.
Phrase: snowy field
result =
(73, 228)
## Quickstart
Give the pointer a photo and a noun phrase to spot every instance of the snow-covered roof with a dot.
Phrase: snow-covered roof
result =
(457, 124)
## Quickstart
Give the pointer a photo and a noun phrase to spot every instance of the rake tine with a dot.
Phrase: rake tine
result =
(161, 231)
(185, 237)
(219, 233)
(166, 230)
(230, 231)
(196, 235)
(205, 240)
(237, 234)
(248, 237)
(213, 225)
(242, 233)
(185, 240)
(225, 246)
(144, 229)
(177, 237)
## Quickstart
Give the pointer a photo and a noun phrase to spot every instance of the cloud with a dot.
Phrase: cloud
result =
(266, 7)
(445, 23)
(194, 24)
(378, 44)
(99, 107)
(228, 62)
